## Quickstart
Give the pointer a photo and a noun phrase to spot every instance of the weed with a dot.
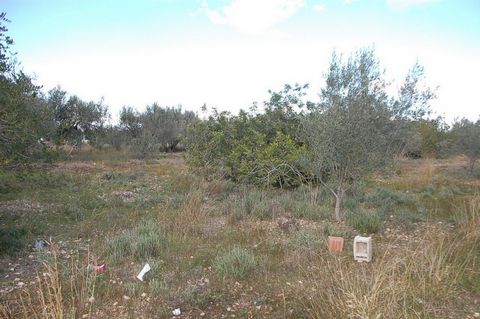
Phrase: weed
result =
(367, 222)
(250, 202)
(61, 290)
(306, 240)
(158, 287)
(236, 263)
(133, 289)
(147, 240)
(331, 230)
(387, 199)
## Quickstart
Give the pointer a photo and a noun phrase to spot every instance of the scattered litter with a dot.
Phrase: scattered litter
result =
(177, 312)
(98, 269)
(126, 297)
(39, 244)
(142, 273)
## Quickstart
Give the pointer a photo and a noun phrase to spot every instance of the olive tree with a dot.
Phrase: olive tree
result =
(357, 127)
(466, 140)
(74, 118)
(23, 114)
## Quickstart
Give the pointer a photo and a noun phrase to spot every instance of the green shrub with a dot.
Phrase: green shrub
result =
(147, 240)
(365, 221)
(330, 230)
(306, 240)
(248, 203)
(386, 199)
(12, 240)
(236, 263)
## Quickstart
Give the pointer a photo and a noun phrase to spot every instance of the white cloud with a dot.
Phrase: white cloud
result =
(318, 8)
(404, 4)
(254, 16)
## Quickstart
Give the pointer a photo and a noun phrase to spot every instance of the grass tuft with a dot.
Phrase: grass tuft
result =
(236, 263)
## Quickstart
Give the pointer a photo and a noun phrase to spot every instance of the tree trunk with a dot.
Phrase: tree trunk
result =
(339, 202)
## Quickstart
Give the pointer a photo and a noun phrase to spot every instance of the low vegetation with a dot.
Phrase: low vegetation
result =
(237, 225)
(214, 246)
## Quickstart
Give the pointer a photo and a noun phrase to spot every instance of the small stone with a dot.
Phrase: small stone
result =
(21, 284)
(144, 295)
(115, 303)
(126, 297)
(91, 299)
(229, 309)
(85, 315)
(16, 279)
(30, 256)
(476, 314)
(202, 314)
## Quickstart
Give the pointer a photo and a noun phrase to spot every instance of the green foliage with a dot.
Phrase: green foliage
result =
(387, 199)
(147, 240)
(23, 116)
(155, 130)
(367, 222)
(249, 202)
(357, 128)
(236, 263)
(465, 139)
(12, 240)
(307, 240)
(254, 148)
(75, 120)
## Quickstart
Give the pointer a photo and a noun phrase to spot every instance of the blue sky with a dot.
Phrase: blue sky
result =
(228, 53)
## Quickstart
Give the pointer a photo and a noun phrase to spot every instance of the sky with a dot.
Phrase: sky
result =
(229, 53)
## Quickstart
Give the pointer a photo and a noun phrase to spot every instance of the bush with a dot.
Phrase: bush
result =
(236, 263)
(248, 203)
(365, 221)
(147, 240)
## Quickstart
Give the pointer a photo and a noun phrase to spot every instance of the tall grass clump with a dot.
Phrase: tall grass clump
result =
(247, 203)
(147, 240)
(236, 263)
(365, 221)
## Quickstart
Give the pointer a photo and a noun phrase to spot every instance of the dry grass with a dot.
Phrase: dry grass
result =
(61, 290)
(183, 222)
(423, 283)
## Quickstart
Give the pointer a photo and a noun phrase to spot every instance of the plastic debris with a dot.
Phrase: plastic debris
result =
(98, 269)
(39, 244)
(177, 312)
(142, 273)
